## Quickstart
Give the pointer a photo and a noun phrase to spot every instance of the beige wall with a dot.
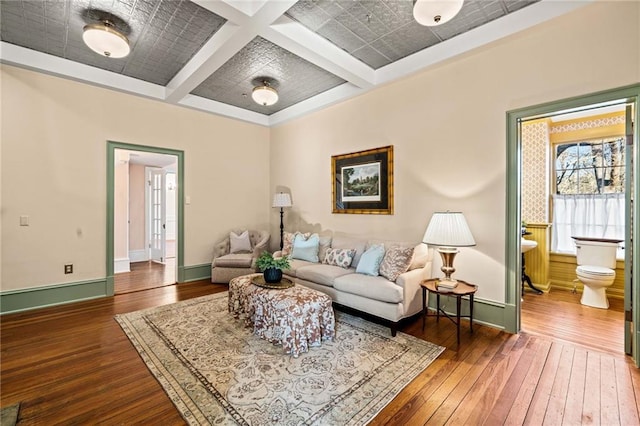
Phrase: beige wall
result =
(121, 206)
(448, 128)
(54, 170)
(137, 220)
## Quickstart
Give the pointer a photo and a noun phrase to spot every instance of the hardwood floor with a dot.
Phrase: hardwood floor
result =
(73, 365)
(559, 315)
(146, 275)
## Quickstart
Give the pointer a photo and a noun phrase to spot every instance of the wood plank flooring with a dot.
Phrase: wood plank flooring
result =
(73, 365)
(146, 275)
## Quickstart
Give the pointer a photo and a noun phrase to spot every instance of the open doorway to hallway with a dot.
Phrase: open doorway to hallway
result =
(145, 231)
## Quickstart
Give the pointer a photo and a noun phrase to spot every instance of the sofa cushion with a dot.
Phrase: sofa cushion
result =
(236, 260)
(322, 274)
(239, 243)
(370, 260)
(296, 264)
(342, 242)
(420, 256)
(339, 257)
(396, 261)
(377, 288)
(306, 248)
(287, 241)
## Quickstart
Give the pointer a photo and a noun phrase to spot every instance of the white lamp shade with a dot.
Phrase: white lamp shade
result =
(448, 229)
(282, 199)
(435, 12)
(264, 95)
(106, 40)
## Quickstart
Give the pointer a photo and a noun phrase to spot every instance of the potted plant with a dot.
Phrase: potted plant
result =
(272, 267)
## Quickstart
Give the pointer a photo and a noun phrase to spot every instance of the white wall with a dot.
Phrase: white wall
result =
(53, 169)
(448, 128)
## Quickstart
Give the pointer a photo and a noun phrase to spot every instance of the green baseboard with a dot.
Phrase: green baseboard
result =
(51, 295)
(485, 312)
(196, 272)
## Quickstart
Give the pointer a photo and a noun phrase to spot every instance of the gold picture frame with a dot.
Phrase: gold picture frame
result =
(363, 182)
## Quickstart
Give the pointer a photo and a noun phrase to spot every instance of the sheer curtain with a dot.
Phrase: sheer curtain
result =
(593, 215)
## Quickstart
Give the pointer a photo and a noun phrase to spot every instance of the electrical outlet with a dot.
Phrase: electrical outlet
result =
(68, 268)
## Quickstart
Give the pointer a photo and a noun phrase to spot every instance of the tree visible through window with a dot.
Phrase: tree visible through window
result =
(590, 167)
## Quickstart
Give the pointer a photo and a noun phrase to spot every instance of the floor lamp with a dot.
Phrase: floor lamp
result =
(282, 200)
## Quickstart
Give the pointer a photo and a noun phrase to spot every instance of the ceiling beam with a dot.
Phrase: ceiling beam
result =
(308, 45)
(60, 67)
(236, 33)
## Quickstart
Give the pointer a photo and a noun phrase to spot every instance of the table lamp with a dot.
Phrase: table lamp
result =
(282, 200)
(448, 230)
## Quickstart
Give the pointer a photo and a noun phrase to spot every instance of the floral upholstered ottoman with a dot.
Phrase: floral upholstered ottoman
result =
(296, 317)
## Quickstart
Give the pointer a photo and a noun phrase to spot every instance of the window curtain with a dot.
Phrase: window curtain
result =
(593, 215)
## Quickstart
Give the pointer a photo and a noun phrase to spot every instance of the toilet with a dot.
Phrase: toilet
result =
(596, 260)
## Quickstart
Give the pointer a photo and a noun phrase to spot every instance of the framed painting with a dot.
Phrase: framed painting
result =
(363, 182)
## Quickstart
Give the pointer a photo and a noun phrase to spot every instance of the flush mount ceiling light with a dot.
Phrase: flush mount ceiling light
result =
(264, 95)
(106, 40)
(435, 12)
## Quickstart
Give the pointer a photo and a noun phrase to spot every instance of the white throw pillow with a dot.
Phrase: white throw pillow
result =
(240, 243)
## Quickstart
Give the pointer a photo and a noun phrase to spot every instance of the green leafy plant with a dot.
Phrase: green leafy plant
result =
(266, 261)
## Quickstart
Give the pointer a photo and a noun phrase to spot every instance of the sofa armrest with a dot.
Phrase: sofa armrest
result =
(412, 291)
(262, 245)
(277, 254)
(220, 249)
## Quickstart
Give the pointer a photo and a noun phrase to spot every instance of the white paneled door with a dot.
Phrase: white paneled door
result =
(157, 214)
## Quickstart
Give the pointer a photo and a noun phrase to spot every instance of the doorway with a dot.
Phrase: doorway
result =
(514, 304)
(144, 217)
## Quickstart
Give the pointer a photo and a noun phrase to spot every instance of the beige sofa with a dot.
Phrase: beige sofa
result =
(373, 295)
(225, 265)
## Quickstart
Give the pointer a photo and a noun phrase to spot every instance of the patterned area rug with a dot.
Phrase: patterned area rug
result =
(217, 372)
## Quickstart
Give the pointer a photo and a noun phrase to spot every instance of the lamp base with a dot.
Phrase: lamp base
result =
(447, 283)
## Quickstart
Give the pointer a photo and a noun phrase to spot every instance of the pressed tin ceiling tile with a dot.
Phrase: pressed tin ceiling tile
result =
(163, 35)
(294, 78)
(387, 27)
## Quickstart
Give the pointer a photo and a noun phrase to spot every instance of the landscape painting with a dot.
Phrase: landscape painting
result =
(363, 182)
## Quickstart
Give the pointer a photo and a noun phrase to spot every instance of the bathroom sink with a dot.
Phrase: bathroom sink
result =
(526, 245)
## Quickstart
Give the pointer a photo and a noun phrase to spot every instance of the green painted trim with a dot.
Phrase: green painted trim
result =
(629, 93)
(486, 312)
(197, 272)
(111, 147)
(51, 295)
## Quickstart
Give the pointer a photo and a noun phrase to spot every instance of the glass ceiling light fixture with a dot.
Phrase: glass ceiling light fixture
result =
(264, 95)
(104, 39)
(435, 12)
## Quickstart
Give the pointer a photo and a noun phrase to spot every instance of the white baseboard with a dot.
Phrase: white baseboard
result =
(121, 265)
(138, 255)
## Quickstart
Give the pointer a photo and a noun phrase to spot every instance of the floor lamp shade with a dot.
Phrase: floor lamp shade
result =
(448, 230)
(282, 200)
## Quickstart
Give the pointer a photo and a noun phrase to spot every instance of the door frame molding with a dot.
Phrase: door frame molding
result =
(111, 147)
(514, 176)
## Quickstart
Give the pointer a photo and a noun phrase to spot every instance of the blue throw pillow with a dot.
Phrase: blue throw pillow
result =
(306, 249)
(370, 261)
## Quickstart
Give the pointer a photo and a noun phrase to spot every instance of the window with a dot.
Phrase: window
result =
(589, 197)
(590, 167)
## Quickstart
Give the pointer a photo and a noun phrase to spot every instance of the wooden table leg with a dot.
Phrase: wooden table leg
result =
(458, 303)
(438, 307)
(471, 312)
(424, 306)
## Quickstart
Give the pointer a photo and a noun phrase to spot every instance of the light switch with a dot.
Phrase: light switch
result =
(24, 220)
(187, 200)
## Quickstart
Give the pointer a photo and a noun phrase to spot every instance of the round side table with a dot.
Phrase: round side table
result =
(462, 289)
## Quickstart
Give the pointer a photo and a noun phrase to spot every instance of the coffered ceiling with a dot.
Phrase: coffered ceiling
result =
(209, 54)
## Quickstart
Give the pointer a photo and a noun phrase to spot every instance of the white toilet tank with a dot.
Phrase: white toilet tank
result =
(596, 252)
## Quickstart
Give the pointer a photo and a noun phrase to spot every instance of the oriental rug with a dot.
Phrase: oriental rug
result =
(216, 371)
